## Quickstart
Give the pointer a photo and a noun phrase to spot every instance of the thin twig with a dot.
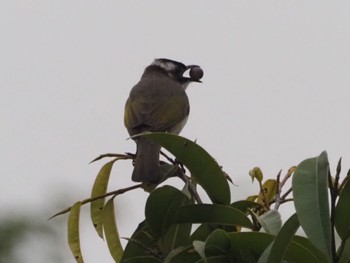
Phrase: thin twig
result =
(337, 178)
(289, 174)
(153, 252)
(287, 200)
(168, 158)
(278, 190)
(182, 176)
(286, 193)
(280, 184)
(89, 200)
(192, 190)
(118, 155)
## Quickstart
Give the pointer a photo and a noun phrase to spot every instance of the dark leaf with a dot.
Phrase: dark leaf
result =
(342, 213)
(310, 182)
(213, 214)
(202, 166)
(161, 207)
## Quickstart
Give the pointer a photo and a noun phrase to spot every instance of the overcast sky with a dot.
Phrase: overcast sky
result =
(275, 91)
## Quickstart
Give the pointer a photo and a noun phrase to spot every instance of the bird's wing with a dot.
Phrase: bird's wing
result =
(155, 106)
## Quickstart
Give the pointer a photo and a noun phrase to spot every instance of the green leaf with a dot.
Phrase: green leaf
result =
(342, 212)
(276, 252)
(100, 188)
(265, 255)
(201, 233)
(311, 201)
(111, 231)
(199, 246)
(73, 232)
(308, 249)
(202, 166)
(249, 246)
(213, 214)
(269, 188)
(252, 198)
(178, 235)
(344, 256)
(161, 207)
(270, 221)
(245, 205)
(142, 246)
(217, 244)
(181, 255)
(257, 174)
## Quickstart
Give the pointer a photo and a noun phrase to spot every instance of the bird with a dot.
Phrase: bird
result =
(157, 103)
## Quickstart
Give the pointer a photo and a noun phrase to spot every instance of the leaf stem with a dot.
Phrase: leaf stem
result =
(89, 200)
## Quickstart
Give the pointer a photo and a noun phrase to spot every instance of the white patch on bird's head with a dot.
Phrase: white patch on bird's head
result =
(165, 64)
(173, 69)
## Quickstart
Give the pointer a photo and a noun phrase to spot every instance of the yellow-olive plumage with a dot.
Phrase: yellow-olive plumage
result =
(157, 103)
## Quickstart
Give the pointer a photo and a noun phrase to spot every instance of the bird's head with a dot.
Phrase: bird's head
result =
(176, 71)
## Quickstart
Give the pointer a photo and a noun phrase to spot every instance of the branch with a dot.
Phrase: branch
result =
(125, 156)
(281, 199)
(89, 200)
(191, 188)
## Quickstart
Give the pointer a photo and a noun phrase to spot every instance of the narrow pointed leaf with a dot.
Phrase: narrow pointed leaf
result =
(202, 166)
(309, 249)
(344, 257)
(265, 255)
(311, 201)
(213, 214)
(181, 255)
(73, 232)
(100, 188)
(253, 244)
(342, 212)
(276, 252)
(245, 205)
(199, 246)
(111, 231)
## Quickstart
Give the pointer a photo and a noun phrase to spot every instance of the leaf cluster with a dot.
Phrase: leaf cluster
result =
(179, 227)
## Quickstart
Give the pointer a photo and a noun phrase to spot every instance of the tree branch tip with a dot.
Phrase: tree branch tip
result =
(117, 155)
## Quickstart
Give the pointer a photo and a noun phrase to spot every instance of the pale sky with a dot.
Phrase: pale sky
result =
(275, 91)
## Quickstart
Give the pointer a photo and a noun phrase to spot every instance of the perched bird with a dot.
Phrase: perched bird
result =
(157, 103)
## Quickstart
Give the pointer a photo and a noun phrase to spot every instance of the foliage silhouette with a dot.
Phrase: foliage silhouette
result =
(179, 227)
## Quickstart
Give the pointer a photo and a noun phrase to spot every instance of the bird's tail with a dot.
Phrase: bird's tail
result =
(146, 167)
